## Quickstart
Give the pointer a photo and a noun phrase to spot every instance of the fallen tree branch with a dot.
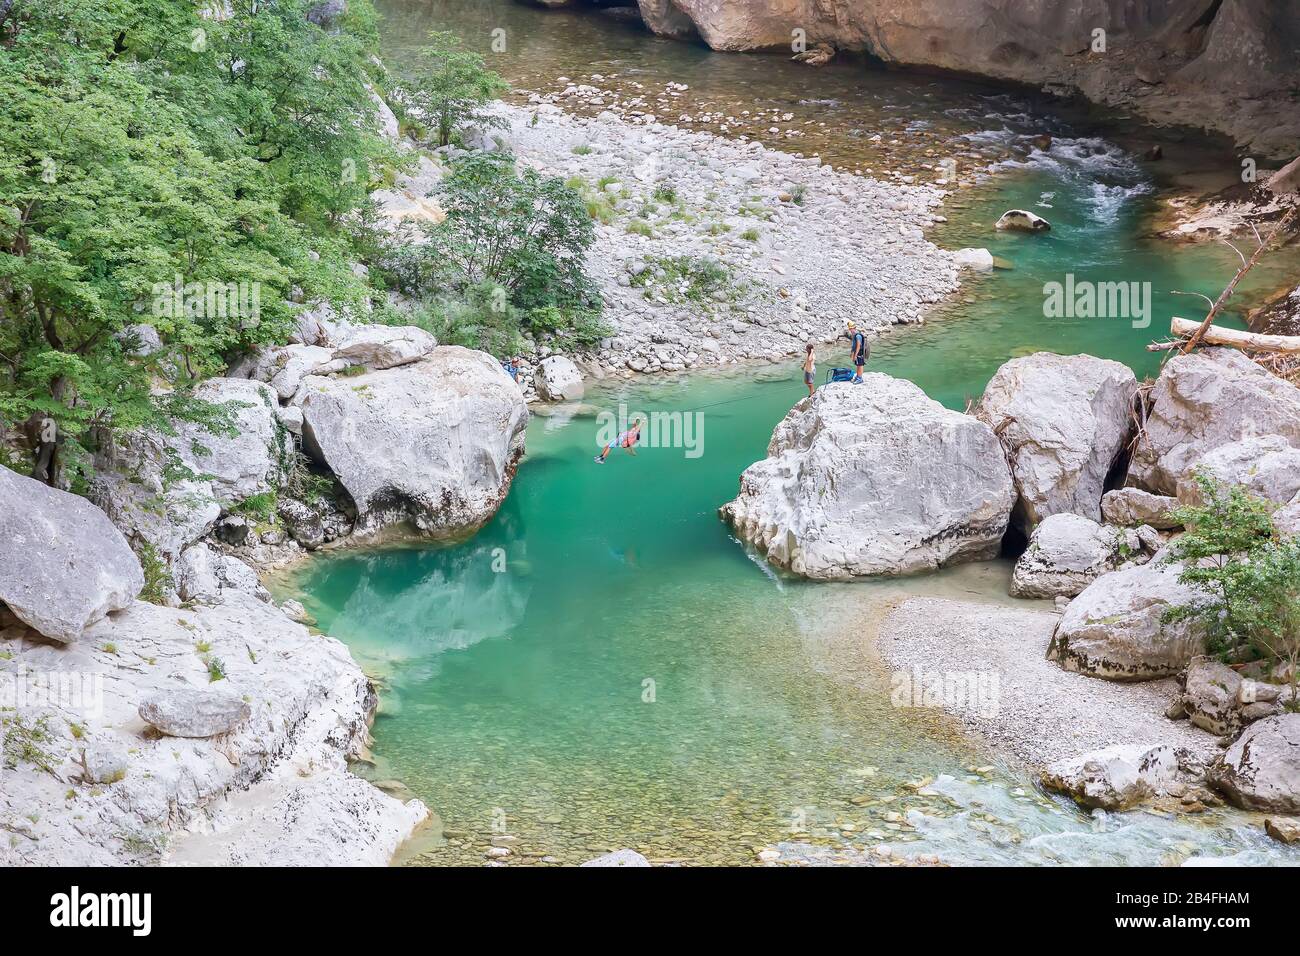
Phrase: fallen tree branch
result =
(1218, 305)
(1231, 338)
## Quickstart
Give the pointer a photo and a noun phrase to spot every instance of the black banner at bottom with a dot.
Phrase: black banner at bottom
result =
(365, 906)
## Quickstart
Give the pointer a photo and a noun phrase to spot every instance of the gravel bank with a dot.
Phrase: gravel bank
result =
(1041, 712)
(711, 251)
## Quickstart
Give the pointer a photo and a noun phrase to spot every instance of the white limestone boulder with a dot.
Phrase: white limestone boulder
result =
(874, 479)
(1064, 421)
(1267, 466)
(63, 565)
(380, 347)
(1066, 553)
(558, 380)
(1116, 628)
(1203, 401)
(1133, 507)
(1115, 778)
(1261, 769)
(433, 443)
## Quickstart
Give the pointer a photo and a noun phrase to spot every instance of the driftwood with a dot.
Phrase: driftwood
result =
(1198, 334)
(1231, 338)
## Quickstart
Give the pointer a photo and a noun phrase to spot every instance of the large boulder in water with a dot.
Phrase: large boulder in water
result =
(434, 443)
(1261, 770)
(1064, 421)
(876, 478)
(1022, 220)
(1066, 553)
(1116, 627)
(1203, 401)
(63, 565)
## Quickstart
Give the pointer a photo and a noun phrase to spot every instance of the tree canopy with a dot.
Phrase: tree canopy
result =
(172, 168)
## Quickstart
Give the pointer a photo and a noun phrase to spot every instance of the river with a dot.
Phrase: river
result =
(605, 666)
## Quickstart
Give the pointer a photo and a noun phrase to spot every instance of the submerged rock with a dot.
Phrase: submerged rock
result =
(1115, 628)
(1202, 402)
(619, 858)
(1064, 421)
(874, 479)
(1066, 553)
(434, 443)
(63, 565)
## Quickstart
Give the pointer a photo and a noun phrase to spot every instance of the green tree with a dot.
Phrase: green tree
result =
(449, 86)
(1249, 574)
(166, 168)
(513, 242)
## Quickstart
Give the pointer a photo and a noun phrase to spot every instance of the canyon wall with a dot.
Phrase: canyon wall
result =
(1230, 65)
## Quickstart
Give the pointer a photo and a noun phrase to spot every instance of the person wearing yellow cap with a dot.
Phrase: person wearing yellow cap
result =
(859, 351)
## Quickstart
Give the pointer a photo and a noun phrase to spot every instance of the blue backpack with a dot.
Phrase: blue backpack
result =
(840, 375)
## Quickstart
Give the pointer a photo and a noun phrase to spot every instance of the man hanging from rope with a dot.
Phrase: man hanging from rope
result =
(626, 440)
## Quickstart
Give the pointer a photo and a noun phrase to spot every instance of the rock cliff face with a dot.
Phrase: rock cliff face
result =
(1230, 63)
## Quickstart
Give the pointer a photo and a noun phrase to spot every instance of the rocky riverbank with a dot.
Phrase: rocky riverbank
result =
(711, 251)
(135, 733)
(1070, 453)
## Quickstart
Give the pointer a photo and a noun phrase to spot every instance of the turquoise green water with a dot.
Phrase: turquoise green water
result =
(604, 666)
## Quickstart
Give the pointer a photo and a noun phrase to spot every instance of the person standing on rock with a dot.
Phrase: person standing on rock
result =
(859, 351)
(810, 369)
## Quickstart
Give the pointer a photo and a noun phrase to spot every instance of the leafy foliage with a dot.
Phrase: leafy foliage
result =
(449, 87)
(150, 156)
(509, 258)
(1249, 574)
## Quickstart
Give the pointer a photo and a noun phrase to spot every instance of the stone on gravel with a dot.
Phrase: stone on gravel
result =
(188, 712)
(874, 479)
(1203, 401)
(1115, 628)
(1064, 421)
(1066, 553)
(63, 565)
